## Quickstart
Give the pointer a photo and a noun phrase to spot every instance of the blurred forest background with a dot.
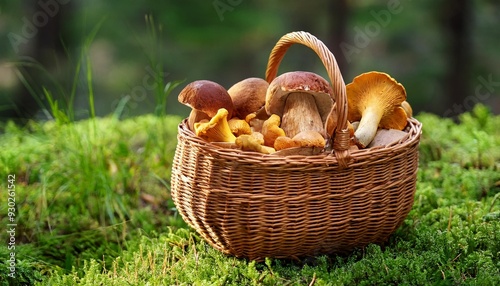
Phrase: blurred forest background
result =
(446, 52)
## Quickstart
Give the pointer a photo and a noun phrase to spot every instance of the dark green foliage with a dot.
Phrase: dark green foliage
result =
(451, 236)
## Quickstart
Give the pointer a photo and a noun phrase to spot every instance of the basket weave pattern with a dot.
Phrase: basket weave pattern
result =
(255, 206)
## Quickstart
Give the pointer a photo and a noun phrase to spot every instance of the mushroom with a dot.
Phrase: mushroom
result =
(304, 139)
(386, 137)
(303, 101)
(271, 130)
(248, 96)
(205, 98)
(310, 138)
(283, 142)
(248, 142)
(331, 122)
(407, 107)
(215, 130)
(256, 119)
(239, 126)
(305, 143)
(375, 98)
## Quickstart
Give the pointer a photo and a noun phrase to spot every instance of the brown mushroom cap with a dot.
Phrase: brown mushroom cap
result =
(375, 99)
(299, 81)
(248, 96)
(206, 96)
(303, 101)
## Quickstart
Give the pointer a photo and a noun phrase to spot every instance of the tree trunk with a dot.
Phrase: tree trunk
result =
(45, 47)
(338, 12)
(456, 26)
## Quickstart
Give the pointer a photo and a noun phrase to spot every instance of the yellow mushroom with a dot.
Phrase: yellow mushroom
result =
(375, 98)
(407, 107)
(283, 142)
(304, 139)
(310, 138)
(215, 130)
(239, 126)
(271, 130)
(256, 119)
(248, 142)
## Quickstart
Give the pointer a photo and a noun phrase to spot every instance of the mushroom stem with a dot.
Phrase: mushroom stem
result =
(368, 126)
(301, 114)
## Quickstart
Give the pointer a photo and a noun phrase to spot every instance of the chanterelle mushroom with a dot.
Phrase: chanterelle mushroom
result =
(205, 98)
(271, 130)
(251, 143)
(302, 100)
(215, 130)
(375, 98)
(309, 138)
(407, 107)
(239, 126)
(306, 138)
(248, 95)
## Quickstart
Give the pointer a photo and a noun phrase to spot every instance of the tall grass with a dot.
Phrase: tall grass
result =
(92, 180)
(154, 53)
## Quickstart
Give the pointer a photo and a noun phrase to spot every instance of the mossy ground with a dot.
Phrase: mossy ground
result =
(93, 208)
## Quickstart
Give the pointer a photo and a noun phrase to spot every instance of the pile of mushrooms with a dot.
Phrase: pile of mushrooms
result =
(295, 113)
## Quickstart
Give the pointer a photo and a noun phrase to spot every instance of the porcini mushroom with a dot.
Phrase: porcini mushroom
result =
(375, 98)
(215, 130)
(205, 98)
(302, 100)
(248, 96)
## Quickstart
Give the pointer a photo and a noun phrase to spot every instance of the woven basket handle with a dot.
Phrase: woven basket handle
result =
(341, 135)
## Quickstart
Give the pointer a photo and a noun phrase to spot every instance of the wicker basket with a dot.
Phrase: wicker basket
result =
(255, 206)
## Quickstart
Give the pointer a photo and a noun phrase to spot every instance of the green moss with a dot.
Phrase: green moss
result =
(82, 189)
(95, 210)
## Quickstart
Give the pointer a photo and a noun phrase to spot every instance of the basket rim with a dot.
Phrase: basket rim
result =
(328, 157)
